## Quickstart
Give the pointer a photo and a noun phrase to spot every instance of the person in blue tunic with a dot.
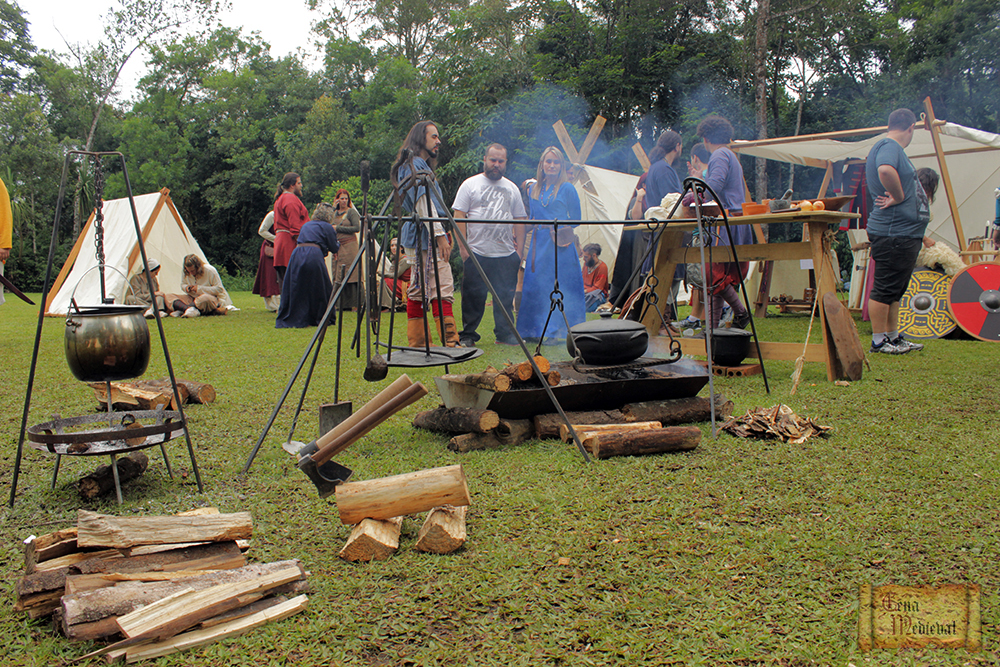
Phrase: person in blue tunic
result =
(552, 197)
(306, 289)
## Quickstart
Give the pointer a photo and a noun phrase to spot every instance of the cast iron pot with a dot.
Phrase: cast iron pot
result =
(107, 343)
(730, 346)
(608, 341)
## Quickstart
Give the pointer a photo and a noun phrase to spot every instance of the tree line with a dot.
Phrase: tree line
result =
(218, 120)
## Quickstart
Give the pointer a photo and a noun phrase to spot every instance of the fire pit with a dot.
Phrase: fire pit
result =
(578, 391)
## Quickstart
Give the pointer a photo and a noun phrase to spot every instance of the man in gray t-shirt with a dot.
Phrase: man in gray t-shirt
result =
(896, 228)
(497, 247)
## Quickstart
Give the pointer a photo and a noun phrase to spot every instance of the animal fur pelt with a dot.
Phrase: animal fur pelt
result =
(941, 255)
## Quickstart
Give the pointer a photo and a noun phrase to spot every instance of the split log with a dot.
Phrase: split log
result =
(39, 605)
(126, 597)
(490, 381)
(457, 420)
(373, 539)
(443, 531)
(197, 392)
(409, 493)
(102, 480)
(508, 432)
(126, 395)
(210, 634)
(253, 608)
(125, 532)
(46, 547)
(547, 425)
(638, 443)
(552, 378)
(677, 410)
(583, 430)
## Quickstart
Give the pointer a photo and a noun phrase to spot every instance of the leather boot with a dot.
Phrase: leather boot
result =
(415, 332)
(450, 331)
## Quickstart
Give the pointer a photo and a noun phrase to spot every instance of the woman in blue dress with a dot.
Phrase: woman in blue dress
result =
(306, 289)
(552, 197)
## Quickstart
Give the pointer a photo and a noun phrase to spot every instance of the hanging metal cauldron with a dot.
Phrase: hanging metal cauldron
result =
(107, 343)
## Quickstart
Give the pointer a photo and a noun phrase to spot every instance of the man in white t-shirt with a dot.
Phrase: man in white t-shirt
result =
(498, 247)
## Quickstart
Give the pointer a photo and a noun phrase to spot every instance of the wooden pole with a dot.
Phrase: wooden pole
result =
(641, 156)
(933, 127)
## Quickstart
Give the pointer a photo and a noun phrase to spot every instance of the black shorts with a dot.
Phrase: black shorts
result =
(895, 258)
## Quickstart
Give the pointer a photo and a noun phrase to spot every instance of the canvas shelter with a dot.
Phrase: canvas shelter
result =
(967, 159)
(604, 195)
(165, 236)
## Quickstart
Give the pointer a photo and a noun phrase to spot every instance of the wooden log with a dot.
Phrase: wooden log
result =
(518, 372)
(552, 378)
(125, 532)
(212, 633)
(542, 363)
(90, 606)
(46, 547)
(638, 443)
(373, 539)
(443, 531)
(457, 420)
(102, 480)
(409, 493)
(677, 410)
(163, 386)
(490, 381)
(593, 429)
(198, 392)
(547, 425)
(130, 396)
(508, 432)
(38, 605)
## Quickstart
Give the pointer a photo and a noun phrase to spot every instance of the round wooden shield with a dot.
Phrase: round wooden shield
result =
(974, 300)
(923, 310)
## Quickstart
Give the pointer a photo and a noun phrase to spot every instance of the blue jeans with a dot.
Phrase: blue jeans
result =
(502, 273)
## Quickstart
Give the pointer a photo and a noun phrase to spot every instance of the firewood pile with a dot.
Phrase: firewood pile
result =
(376, 508)
(775, 423)
(157, 584)
(650, 427)
(151, 394)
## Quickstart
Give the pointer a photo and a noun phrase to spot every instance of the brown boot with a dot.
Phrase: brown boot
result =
(450, 331)
(415, 332)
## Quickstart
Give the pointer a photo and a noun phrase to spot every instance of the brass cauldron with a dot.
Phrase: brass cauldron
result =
(107, 343)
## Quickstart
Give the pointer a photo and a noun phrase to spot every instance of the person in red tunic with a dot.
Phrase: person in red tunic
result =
(595, 277)
(289, 216)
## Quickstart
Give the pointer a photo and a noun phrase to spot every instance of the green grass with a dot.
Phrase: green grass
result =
(738, 553)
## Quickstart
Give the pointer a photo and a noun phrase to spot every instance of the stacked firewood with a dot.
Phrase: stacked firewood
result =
(160, 584)
(151, 394)
(376, 509)
(511, 376)
(778, 422)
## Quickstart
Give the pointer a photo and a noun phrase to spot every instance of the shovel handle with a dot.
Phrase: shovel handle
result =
(410, 395)
(397, 387)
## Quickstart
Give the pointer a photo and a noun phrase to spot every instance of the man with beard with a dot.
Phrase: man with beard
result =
(497, 247)
(595, 277)
(420, 148)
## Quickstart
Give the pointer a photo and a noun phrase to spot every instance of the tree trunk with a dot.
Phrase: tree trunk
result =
(413, 492)
(677, 410)
(638, 443)
(457, 420)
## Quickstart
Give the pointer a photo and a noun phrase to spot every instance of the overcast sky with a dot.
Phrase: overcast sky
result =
(79, 21)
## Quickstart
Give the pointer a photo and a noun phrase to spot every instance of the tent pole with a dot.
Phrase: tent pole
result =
(933, 126)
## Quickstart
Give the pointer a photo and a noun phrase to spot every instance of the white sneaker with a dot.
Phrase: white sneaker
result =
(192, 312)
(149, 313)
(176, 313)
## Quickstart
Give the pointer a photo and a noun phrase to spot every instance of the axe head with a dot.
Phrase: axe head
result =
(325, 476)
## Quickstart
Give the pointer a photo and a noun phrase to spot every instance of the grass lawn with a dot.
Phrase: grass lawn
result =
(738, 553)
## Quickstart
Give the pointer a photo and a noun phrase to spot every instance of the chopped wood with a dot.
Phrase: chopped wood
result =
(37, 582)
(47, 547)
(457, 420)
(125, 532)
(508, 432)
(490, 381)
(398, 495)
(199, 511)
(70, 560)
(542, 363)
(443, 531)
(102, 480)
(208, 635)
(547, 425)
(198, 392)
(126, 597)
(552, 378)
(373, 539)
(128, 396)
(582, 430)
(638, 443)
(178, 612)
(247, 610)
(38, 605)
(775, 423)
(518, 372)
(677, 410)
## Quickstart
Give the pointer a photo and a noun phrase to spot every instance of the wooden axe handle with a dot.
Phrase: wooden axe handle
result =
(408, 396)
(394, 389)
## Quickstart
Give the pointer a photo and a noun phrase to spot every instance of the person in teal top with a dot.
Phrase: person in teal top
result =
(552, 197)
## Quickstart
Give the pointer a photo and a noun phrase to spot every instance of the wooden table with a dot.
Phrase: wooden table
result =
(670, 253)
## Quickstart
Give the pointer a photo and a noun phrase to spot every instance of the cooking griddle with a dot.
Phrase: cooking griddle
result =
(577, 391)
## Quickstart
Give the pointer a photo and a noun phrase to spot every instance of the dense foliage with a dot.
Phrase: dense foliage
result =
(218, 120)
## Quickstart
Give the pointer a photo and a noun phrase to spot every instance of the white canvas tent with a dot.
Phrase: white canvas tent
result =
(604, 195)
(970, 157)
(165, 236)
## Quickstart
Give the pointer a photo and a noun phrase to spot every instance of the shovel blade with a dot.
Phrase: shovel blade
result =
(332, 414)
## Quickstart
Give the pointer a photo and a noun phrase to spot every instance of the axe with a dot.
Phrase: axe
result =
(315, 458)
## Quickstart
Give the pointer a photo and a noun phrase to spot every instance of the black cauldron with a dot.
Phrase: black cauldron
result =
(608, 341)
(730, 346)
(107, 343)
